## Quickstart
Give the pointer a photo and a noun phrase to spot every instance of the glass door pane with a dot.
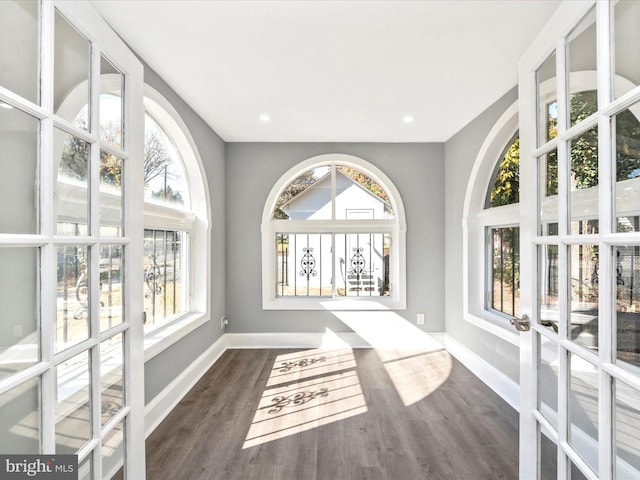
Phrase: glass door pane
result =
(72, 185)
(19, 165)
(19, 67)
(582, 59)
(20, 318)
(21, 420)
(71, 73)
(626, 431)
(73, 405)
(583, 409)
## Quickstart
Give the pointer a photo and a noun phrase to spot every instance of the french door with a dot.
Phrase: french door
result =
(580, 244)
(71, 130)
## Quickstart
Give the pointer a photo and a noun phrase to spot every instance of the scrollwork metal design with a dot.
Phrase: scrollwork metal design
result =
(308, 263)
(358, 263)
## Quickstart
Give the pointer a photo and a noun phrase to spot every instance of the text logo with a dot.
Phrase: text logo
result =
(27, 467)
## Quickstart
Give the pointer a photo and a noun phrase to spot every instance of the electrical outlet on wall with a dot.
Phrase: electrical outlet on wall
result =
(420, 319)
(224, 321)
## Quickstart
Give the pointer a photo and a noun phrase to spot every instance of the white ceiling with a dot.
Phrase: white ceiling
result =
(332, 71)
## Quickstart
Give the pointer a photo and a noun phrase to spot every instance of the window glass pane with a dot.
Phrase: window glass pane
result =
(576, 473)
(548, 286)
(626, 431)
(165, 290)
(548, 459)
(72, 409)
(628, 304)
(85, 469)
(583, 268)
(19, 164)
(111, 286)
(164, 176)
(315, 204)
(110, 104)
(583, 180)
(548, 195)
(627, 129)
(360, 197)
(20, 420)
(111, 169)
(19, 310)
(71, 73)
(627, 42)
(111, 375)
(304, 264)
(505, 270)
(548, 380)
(547, 109)
(505, 184)
(362, 264)
(582, 57)
(72, 188)
(112, 451)
(72, 322)
(19, 26)
(583, 409)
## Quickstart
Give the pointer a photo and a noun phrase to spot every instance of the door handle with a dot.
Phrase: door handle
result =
(521, 324)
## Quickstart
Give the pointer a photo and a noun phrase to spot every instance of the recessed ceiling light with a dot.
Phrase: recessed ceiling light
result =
(408, 119)
(6, 106)
(264, 117)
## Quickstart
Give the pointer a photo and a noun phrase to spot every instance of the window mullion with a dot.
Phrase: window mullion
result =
(333, 191)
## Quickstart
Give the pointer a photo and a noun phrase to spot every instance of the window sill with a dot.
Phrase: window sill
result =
(161, 339)
(329, 303)
(496, 325)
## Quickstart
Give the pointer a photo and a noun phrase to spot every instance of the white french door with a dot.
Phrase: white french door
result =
(71, 130)
(580, 244)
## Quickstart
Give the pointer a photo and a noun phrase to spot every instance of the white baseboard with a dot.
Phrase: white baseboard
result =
(490, 375)
(162, 404)
(305, 340)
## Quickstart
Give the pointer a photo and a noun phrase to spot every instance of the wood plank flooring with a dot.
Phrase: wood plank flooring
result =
(364, 414)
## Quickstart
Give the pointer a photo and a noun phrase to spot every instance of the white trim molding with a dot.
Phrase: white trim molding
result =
(497, 381)
(163, 403)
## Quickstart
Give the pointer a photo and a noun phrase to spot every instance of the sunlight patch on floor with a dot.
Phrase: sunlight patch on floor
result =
(293, 367)
(306, 390)
(415, 362)
(417, 376)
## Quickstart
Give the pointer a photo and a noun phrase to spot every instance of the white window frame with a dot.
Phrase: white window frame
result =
(396, 227)
(476, 219)
(194, 220)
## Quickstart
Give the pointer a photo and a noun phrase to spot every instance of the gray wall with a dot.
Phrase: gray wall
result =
(252, 170)
(460, 154)
(163, 368)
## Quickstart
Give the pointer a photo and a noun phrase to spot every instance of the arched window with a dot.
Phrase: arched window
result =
(333, 234)
(173, 183)
(491, 246)
(491, 229)
(176, 222)
(503, 251)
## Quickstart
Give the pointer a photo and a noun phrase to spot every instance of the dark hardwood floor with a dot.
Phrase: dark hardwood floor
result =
(336, 415)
